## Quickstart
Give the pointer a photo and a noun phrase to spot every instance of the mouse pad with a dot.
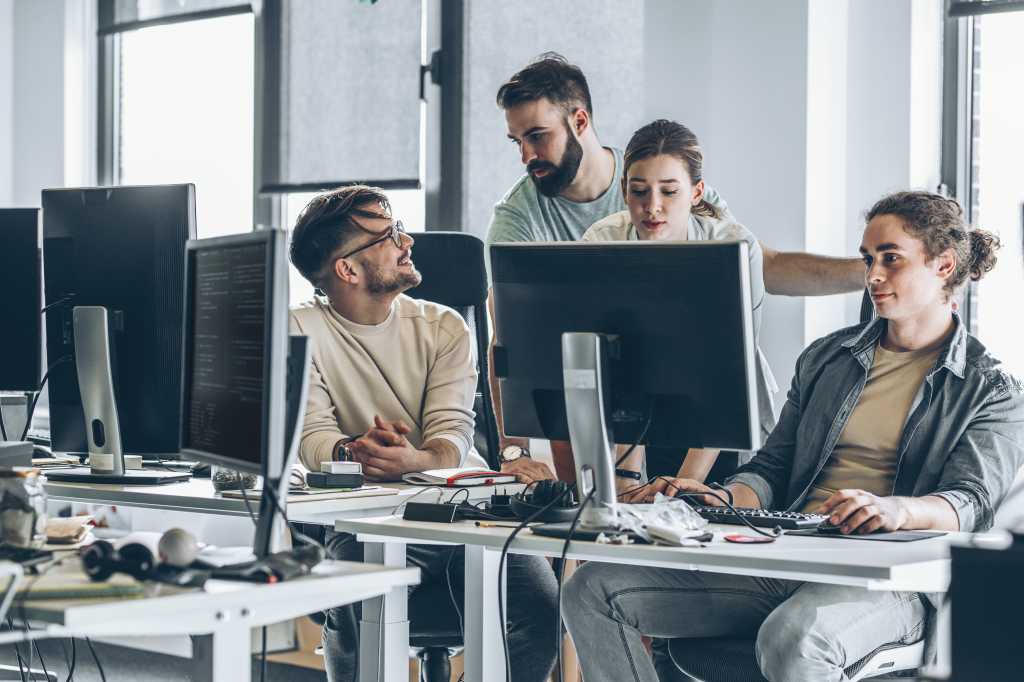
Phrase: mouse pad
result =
(895, 536)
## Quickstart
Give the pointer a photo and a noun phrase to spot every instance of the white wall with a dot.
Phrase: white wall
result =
(735, 71)
(603, 37)
(808, 111)
(6, 102)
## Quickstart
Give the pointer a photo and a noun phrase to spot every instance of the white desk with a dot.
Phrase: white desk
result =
(921, 566)
(225, 611)
(198, 495)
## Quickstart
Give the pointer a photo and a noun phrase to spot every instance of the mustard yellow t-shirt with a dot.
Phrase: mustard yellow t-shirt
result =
(865, 454)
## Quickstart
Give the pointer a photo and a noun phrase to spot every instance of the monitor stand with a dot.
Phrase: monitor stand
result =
(586, 377)
(102, 430)
(130, 477)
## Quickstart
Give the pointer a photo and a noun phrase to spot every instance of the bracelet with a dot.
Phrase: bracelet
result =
(627, 473)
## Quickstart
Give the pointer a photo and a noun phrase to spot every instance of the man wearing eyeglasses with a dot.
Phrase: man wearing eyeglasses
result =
(392, 385)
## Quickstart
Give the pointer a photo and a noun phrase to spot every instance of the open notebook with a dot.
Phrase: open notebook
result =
(458, 478)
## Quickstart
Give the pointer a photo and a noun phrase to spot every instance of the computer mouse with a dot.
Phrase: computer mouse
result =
(201, 471)
(827, 528)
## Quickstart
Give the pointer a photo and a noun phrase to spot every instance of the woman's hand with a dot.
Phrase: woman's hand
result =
(669, 487)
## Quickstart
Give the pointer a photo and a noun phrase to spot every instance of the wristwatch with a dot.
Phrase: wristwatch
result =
(341, 453)
(511, 453)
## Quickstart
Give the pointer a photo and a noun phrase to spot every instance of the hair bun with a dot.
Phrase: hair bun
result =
(984, 245)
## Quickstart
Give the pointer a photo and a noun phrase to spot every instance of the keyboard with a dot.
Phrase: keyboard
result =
(26, 556)
(765, 518)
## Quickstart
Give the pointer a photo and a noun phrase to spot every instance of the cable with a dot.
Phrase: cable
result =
(99, 666)
(59, 301)
(263, 654)
(773, 534)
(380, 637)
(501, 570)
(74, 661)
(451, 591)
(42, 663)
(440, 494)
(643, 433)
(17, 651)
(561, 577)
(451, 500)
(35, 399)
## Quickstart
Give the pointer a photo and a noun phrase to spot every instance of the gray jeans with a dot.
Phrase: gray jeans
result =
(805, 631)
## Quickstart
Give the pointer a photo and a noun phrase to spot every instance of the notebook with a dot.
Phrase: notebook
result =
(458, 477)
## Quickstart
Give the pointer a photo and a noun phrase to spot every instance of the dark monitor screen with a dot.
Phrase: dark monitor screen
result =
(21, 343)
(681, 313)
(227, 326)
(122, 248)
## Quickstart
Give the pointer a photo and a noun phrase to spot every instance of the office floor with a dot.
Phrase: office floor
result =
(120, 663)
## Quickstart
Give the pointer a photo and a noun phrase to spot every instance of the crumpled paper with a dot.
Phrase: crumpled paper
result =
(666, 512)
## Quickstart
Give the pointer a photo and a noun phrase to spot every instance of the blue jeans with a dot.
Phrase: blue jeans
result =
(532, 592)
(804, 631)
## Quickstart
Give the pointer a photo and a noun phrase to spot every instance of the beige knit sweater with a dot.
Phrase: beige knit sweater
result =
(418, 366)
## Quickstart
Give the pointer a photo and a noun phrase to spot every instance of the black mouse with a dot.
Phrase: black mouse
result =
(827, 528)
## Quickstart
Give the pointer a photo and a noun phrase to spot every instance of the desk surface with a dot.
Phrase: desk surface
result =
(197, 611)
(921, 566)
(198, 495)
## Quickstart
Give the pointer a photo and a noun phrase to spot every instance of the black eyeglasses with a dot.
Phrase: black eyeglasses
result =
(394, 233)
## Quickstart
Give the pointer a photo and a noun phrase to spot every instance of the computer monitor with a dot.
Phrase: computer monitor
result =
(244, 377)
(236, 347)
(628, 335)
(122, 249)
(21, 343)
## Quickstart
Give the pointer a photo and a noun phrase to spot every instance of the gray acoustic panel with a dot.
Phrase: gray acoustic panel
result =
(340, 93)
(603, 37)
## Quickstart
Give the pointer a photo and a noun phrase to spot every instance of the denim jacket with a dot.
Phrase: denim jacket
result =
(963, 439)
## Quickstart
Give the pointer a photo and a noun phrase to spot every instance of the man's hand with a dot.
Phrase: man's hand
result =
(858, 511)
(527, 470)
(669, 486)
(386, 453)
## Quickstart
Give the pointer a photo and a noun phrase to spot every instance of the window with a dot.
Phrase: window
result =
(407, 205)
(997, 193)
(185, 114)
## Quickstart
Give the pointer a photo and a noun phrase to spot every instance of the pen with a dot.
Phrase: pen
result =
(495, 524)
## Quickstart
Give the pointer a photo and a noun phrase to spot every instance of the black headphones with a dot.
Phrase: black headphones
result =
(557, 494)
(101, 559)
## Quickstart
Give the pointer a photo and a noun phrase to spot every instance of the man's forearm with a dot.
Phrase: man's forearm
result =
(930, 512)
(441, 453)
(495, 386)
(743, 496)
(808, 274)
(697, 463)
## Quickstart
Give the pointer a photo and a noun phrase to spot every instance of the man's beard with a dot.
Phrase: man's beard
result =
(379, 282)
(562, 175)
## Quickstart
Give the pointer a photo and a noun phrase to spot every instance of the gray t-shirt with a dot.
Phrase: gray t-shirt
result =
(526, 215)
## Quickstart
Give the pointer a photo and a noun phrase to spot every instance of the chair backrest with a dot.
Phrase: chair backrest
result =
(454, 274)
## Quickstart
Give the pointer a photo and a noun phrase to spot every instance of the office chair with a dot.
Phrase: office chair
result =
(452, 265)
(728, 659)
